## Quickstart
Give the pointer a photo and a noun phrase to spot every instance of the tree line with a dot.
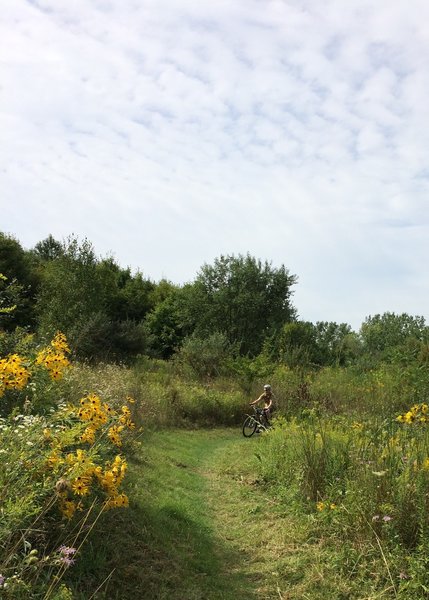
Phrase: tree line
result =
(237, 308)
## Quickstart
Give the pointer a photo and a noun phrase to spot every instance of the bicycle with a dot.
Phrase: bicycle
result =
(257, 422)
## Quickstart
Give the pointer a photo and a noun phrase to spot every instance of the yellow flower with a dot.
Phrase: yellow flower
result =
(80, 486)
(54, 358)
(53, 460)
(320, 506)
(88, 435)
(114, 435)
(120, 500)
(68, 508)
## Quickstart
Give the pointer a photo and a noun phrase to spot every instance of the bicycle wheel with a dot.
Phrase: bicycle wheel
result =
(249, 427)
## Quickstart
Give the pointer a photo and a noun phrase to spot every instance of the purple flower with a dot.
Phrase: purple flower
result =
(66, 550)
(66, 553)
(386, 518)
(2, 580)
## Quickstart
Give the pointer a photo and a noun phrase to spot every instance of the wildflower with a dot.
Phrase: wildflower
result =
(117, 501)
(320, 506)
(68, 508)
(80, 486)
(418, 413)
(376, 518)
(387, 518)
(54, 460)
(66, 550)
(114, 435)
(54, 358)
(2, 580)
(88, 435)
(13, 373)
(66, 553)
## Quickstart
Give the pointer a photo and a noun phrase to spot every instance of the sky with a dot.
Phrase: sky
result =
(170, 132)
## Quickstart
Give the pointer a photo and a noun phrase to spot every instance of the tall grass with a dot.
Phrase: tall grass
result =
(366, 482)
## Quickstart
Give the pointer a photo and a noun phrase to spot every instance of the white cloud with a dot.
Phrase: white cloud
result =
(172, 131)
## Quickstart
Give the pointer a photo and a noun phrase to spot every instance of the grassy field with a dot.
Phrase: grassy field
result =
(331, 504)
(202, 525)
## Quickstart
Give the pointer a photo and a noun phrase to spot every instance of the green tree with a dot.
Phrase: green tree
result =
(333, 343)
(48, 249)
(170, 322)
(204, 357)
(71, 295)
(244, 299)
(20, 268)
(383, 335)
(297, 344)
(126, 297)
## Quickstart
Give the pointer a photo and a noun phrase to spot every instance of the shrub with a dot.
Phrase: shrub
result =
(60, 468)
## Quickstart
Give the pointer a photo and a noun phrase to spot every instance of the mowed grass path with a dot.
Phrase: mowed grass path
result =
(201, 526)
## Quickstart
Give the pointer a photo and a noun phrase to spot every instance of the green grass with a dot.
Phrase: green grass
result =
(203, 525)
(165, 545)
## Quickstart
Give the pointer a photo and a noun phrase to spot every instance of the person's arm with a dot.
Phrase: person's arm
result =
(256, 401)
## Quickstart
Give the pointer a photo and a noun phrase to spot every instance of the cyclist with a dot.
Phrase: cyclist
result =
(267, 398)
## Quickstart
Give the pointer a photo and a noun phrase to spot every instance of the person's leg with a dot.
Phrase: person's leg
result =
(267, 417)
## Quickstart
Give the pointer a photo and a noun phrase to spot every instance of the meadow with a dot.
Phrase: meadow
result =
(335, 497)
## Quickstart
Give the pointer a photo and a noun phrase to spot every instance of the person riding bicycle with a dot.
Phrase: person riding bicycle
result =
(267, 398)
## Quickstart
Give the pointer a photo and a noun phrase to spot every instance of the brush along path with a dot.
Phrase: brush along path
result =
(207, 528)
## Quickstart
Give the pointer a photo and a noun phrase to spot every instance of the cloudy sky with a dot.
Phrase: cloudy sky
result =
(169, 132)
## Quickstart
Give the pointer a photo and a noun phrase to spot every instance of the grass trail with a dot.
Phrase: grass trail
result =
(201, 527)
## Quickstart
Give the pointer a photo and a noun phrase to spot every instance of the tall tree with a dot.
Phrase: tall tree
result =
(243, 298)
(19, 267)
(71, 293)
(171, 320)
(48, 249)
(383, 334)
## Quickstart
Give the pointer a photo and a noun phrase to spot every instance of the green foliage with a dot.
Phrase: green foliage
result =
(365, 481)
(243, 298)
(204, 357)
(248, 371)
(58, 472)
(170, 322)
(304, 344)
(99, 306)
(48, 249)
(164, 399)
(337, 344)
(297, 345)
(71, 292)
(20, 269)
(385, 335)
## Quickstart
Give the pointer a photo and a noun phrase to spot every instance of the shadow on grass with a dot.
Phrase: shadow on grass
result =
(158, 553)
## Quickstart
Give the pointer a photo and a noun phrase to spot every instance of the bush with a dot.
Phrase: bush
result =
(204, 358)
(60, 468)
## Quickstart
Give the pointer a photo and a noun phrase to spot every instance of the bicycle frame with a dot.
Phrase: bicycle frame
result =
(253, 423)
